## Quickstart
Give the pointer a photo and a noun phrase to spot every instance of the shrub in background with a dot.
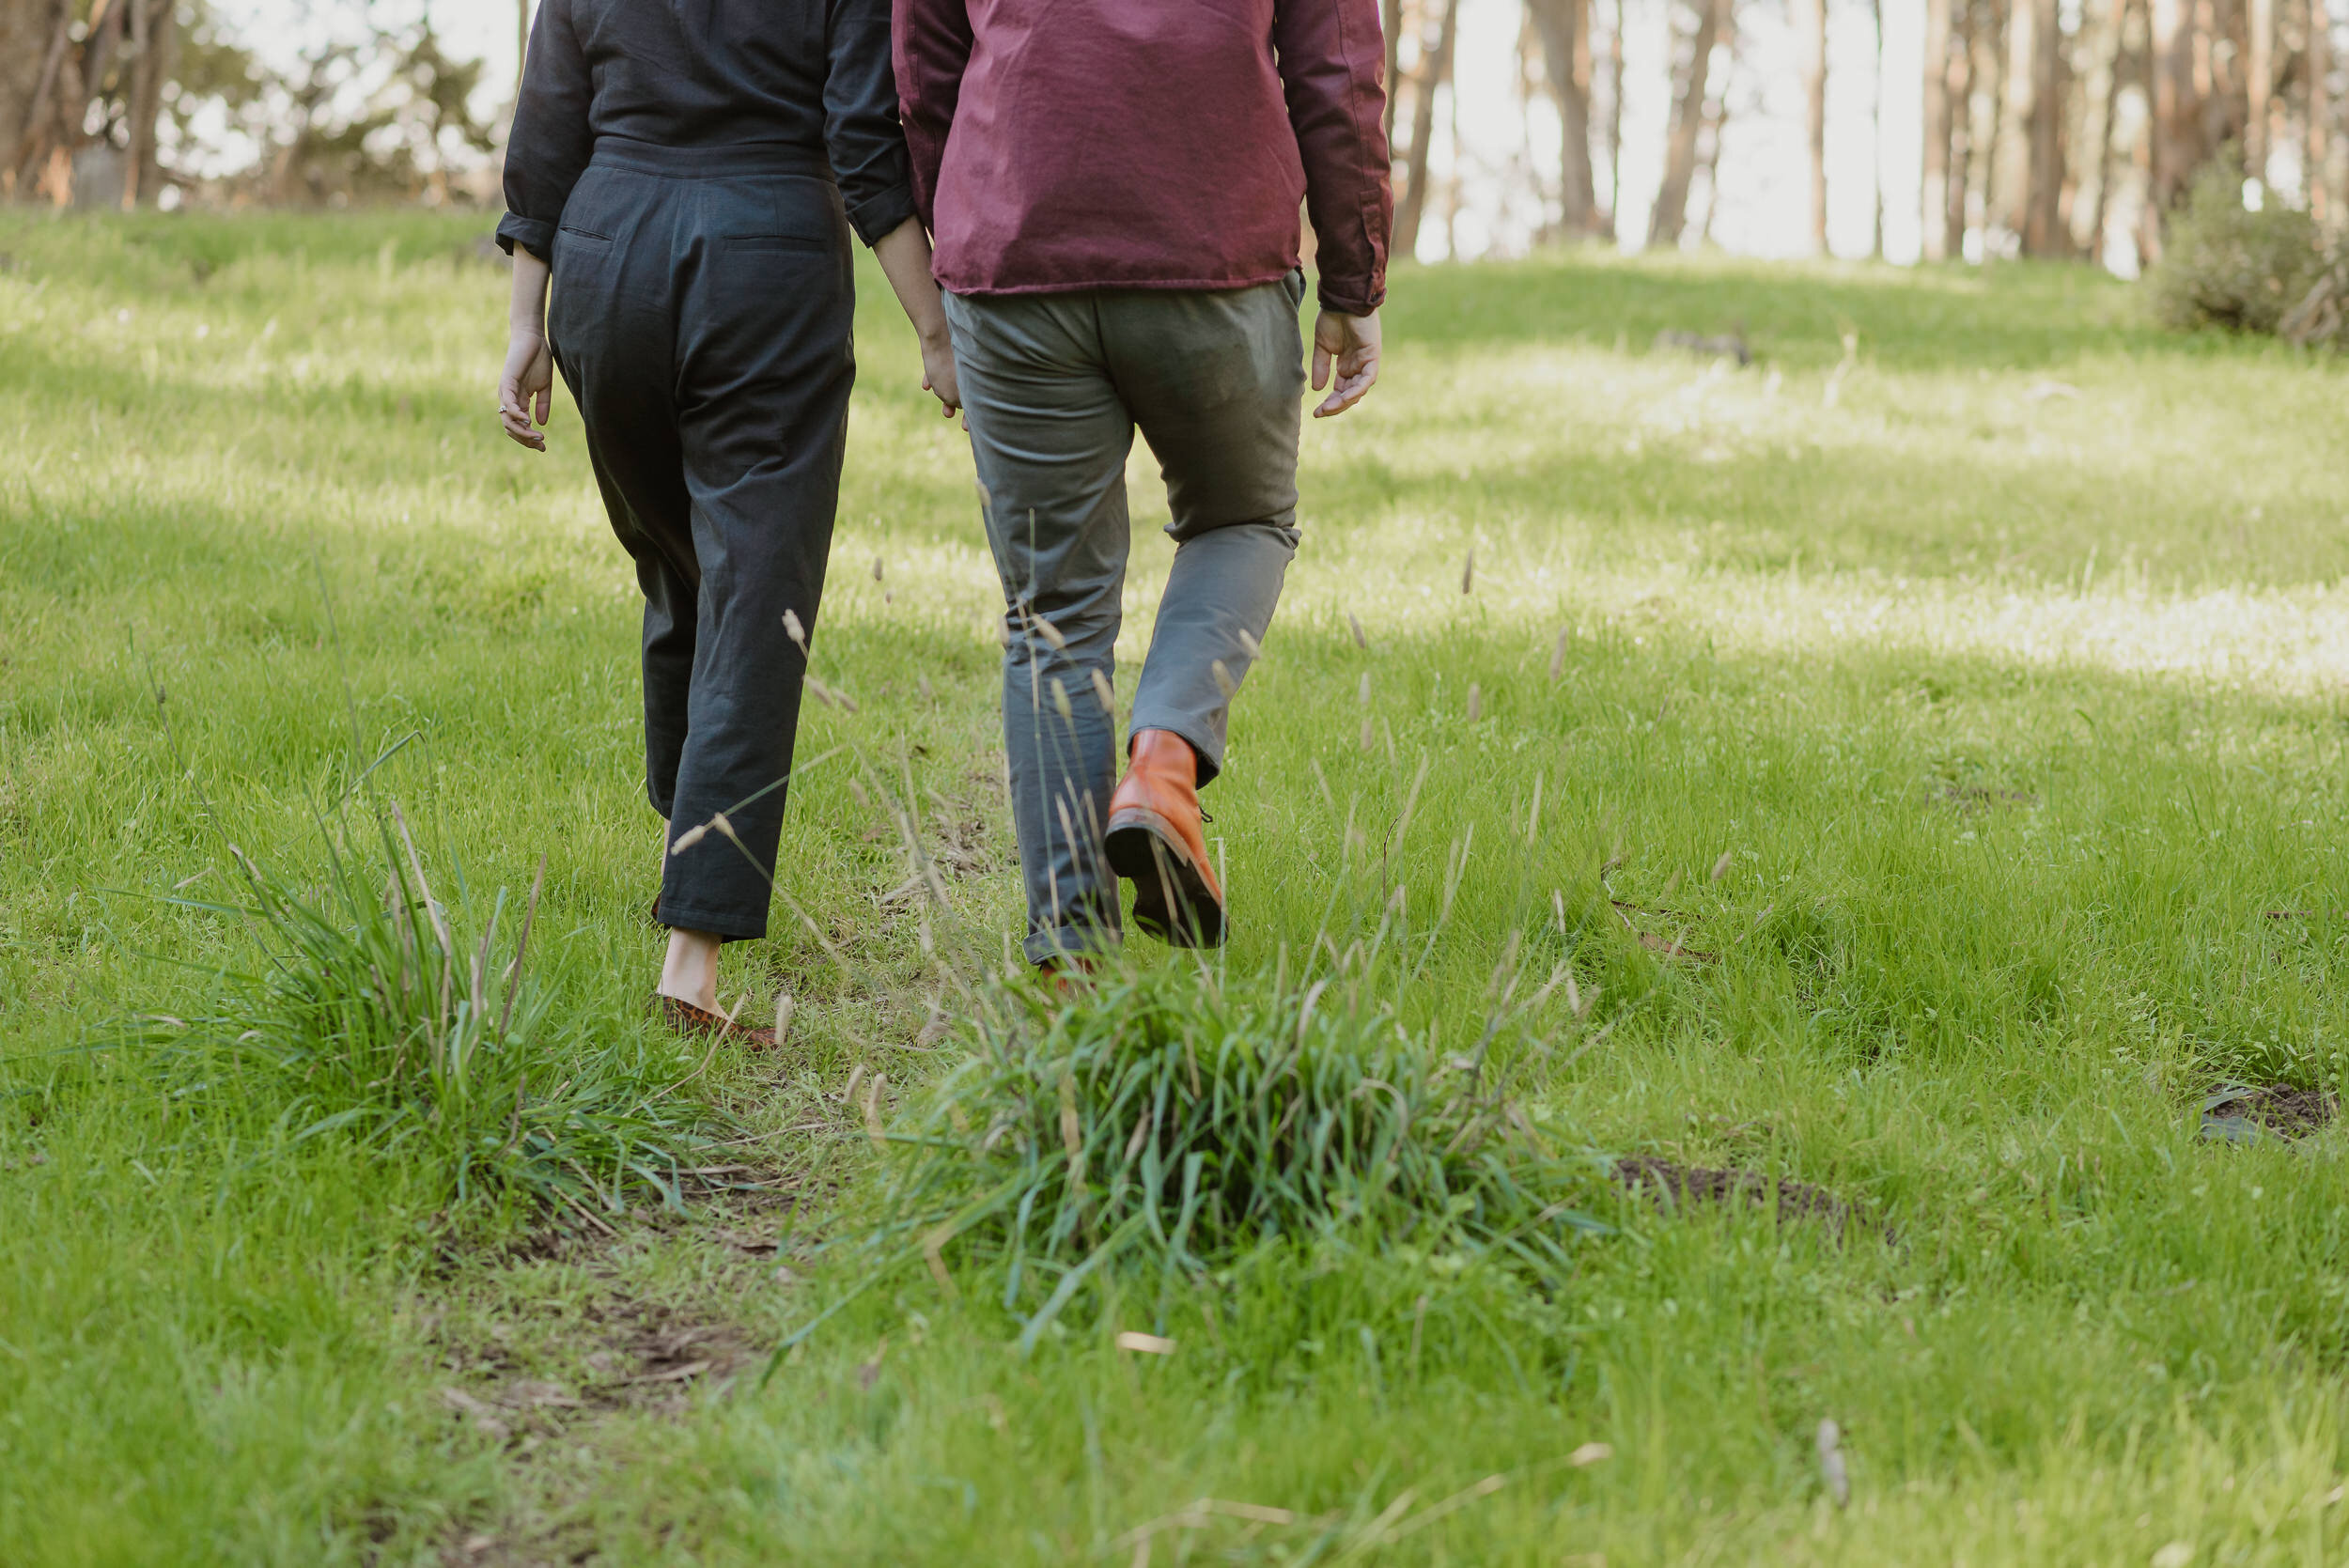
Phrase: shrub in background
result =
(2225, 265)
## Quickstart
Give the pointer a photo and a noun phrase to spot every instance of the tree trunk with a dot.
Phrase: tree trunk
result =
(1717, 127)
(1435, 69)
(1671, 213)
(1390, 21)
(1564, 27)
(1934, 193)
(2320, 110)
(1963, 19)
(2018, 123)
(1876, 137)
(1989, 111)
(2042, 209)
(42, 163)
(2176, 130)
(2259, 87)
(1810, 18)
(26, 27)
(159, 57)
(1614, 125)
(2106, 102)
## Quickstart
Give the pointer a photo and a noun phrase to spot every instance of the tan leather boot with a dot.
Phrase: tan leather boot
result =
(1155, 842)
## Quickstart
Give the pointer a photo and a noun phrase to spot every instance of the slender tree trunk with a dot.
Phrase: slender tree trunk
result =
(1435, 69)
(2216, 51)
(41, 164)
(2259, 87)
(2043, 211)
(32, 48)
(1876, 135)
(1564, 27)
(1810, 17)
(2106, 101)
(1934, 193)
(2177, 113)
(2148, 237)
(1717, 127)
(1671, 212)
(2320, 110)
(1452, 176)
(1390, 22)
(1960, 92)
(1614, 125)
(2018, 124)
(1990, 113)
(159, 57)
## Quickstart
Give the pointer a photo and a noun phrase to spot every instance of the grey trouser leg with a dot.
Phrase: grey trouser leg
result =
(1055, 386)
(701, 317)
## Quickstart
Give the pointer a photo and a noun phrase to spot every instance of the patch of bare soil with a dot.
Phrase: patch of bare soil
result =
(1673, 1185)
(540, 1375)
(2237, 1113)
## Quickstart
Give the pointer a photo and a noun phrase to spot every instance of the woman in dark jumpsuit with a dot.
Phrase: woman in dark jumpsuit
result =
(689, 171)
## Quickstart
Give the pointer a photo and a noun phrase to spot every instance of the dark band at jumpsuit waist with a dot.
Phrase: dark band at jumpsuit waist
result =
(730, 161)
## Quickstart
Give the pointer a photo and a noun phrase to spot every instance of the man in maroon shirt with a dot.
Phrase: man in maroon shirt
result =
(1113, 185)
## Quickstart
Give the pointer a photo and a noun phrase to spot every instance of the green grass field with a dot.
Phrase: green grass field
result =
(1939, 732)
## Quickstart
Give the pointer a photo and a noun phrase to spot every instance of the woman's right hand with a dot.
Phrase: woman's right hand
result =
(529, 381)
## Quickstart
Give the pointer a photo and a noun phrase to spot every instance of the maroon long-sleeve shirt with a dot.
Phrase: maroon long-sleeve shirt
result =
(1147, 144)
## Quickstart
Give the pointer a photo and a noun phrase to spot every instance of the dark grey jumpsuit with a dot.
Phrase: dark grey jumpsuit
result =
(691, 169)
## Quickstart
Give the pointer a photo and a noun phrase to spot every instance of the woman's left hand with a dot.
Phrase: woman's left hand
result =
(938, 376)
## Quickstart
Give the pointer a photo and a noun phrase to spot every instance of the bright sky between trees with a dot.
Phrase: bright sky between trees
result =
(1506, 144)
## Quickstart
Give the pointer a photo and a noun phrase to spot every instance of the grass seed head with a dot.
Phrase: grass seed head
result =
(1224, 681)
(1360, 640)
(1475, 702)
(794, 629)
(1107, 694)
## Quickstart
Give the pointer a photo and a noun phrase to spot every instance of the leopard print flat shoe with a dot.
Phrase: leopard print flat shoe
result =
(686, 1019)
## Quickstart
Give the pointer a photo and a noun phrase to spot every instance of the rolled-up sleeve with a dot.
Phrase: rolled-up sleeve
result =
(1332, 57)
(932, 49)
(551, 140)
(867, 149)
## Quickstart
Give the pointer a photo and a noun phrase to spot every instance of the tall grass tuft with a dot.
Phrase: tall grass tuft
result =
(379, 1012)
(1165, 1129)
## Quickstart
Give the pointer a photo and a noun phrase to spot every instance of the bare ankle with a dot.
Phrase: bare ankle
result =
(690, 971)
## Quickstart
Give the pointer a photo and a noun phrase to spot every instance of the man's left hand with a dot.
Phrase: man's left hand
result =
(1348, 343)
